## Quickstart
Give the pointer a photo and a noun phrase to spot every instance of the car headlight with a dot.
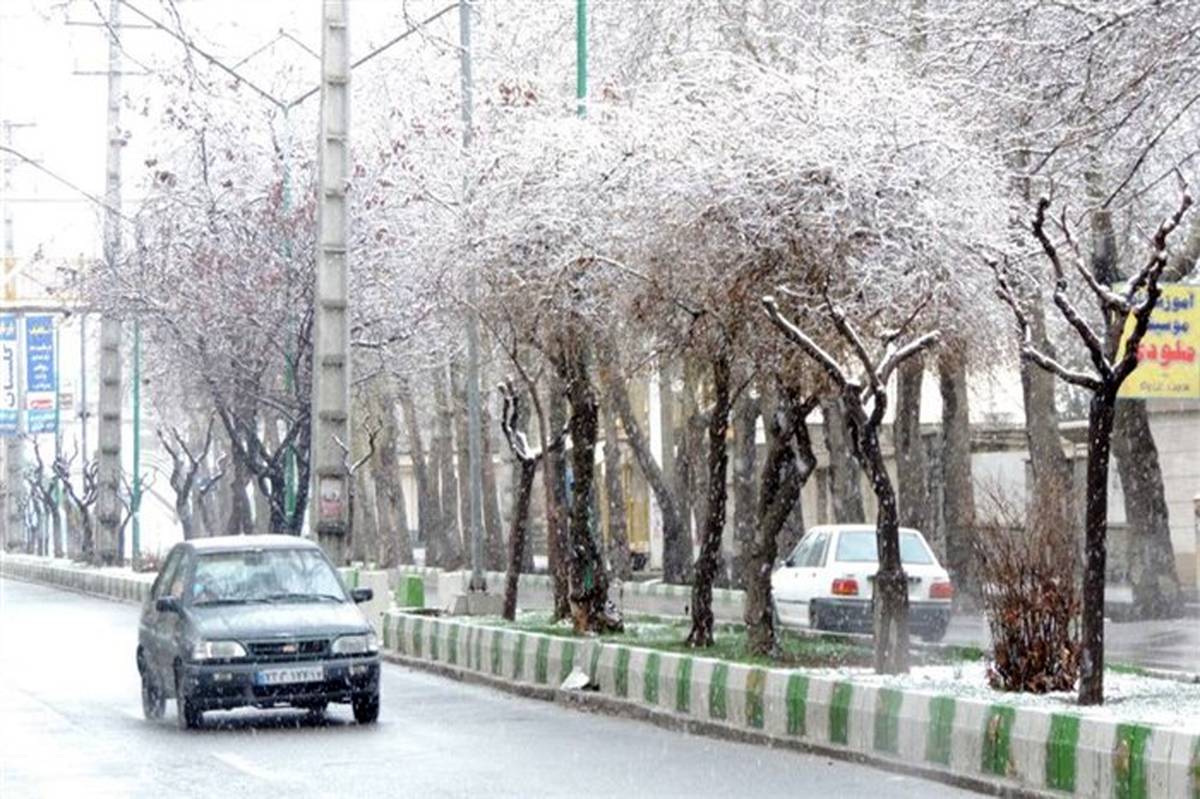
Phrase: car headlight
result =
(356, 644)
(218, 650)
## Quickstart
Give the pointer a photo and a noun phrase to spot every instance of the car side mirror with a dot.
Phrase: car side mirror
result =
(790, 563)
(167, 604)
(362, 594)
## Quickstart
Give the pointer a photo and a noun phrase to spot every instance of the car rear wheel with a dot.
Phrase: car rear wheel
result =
(187, 715)
(154, 704)
(814, 618)
(366, 709)
(935, 634)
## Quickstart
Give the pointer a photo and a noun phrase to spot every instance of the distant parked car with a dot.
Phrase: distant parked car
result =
(827, 582)
(255, 621)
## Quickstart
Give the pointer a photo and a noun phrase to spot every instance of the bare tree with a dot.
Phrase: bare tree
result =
(82, 499)
(42, 486)
(528, 458)
(789, 462)
(372, 428)
(869, 389)
(1114, 358)
(186, 467)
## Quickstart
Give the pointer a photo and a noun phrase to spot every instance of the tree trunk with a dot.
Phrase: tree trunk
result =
(1156, 589)
(845, 487)
(391, 508)
(958, 487)
(1091, 667)
(701, 634)
(618, 537)
(365, 531)
(429, 513)
(458, 397)
(450, 547)
(518, 534)
(674, 534)
(57, 527)
(745, 451)
(1052, 483)
(779, 494)
(239, 521)
(557, 514)
(262, 502)
(588, 580)
(690, 478)
(912, 483)
(385, 554)
(891, 583)
(492, 521)
(521, 423)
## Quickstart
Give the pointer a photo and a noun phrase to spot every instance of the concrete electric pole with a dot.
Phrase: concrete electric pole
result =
(108, 499)
(474, 425)
(331, 330)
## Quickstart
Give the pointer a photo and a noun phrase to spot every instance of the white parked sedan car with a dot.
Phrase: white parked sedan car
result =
(828, 578)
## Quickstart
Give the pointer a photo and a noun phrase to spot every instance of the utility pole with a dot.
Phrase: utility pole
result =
(474, 425)
(135, 488)
(108, 499)
(331, 329)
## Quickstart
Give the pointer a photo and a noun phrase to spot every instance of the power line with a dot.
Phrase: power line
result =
(64, 181)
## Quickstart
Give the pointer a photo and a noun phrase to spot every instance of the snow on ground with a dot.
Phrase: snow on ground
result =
(1127, 697)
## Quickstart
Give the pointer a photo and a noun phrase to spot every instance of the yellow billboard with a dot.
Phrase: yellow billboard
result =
(1168, 366)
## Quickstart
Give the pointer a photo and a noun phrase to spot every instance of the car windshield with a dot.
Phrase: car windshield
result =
(859, 547)
(264, 575)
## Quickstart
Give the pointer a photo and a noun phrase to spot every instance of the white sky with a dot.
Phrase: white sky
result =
(40, 54)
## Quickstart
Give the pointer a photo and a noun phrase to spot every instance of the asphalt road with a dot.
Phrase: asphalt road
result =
(1173, 644)
(71, 725)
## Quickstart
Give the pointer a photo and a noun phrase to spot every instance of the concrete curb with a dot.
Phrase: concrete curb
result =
(1008, 749)
(107, 583)
(595, 702)
(536, 593)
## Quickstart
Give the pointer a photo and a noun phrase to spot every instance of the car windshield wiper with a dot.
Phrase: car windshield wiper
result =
(229, 601)
(302, 597)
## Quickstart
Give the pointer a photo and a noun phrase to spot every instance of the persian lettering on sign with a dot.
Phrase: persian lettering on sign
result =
(9, 402)
(1169, 355)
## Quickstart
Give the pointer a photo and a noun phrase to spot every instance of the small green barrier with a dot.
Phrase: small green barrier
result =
(410, 593)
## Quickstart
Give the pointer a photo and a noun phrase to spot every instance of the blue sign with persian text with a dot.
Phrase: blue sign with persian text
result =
(41, 383)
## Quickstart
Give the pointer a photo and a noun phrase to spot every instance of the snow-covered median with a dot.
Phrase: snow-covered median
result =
(1128, 697)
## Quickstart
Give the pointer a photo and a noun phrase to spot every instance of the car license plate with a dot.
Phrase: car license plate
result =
(290, 674)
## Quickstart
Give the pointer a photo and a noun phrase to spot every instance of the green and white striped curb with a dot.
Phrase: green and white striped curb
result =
(126, 586)
(1027, 748)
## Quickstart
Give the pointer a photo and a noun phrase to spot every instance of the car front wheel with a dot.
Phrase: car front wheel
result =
(187, 715)
(366, 709)
(153, 701)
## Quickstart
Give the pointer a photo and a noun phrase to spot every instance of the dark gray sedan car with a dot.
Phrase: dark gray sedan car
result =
(257, 621)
